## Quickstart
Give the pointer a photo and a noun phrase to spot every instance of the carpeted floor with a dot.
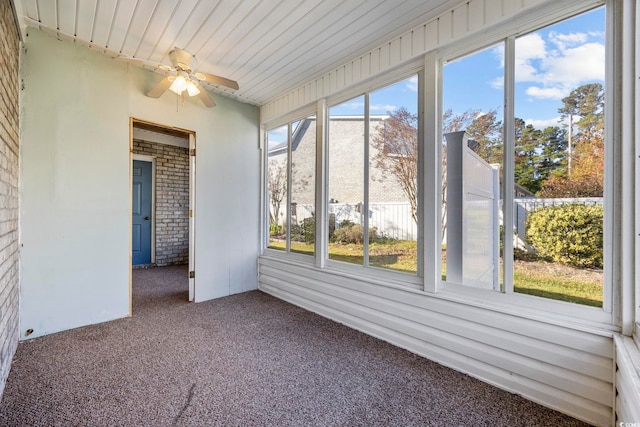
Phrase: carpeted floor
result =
(244, 360)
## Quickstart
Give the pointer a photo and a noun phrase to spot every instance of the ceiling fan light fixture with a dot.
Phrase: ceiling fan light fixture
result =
(192, 89)
(179, 85)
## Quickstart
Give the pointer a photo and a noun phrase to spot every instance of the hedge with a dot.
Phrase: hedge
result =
(570, 233)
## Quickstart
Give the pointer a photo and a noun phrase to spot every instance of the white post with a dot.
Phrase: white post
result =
(456, 142)
(322, 206)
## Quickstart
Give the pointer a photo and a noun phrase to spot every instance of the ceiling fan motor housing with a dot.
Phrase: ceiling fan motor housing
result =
(181, 59)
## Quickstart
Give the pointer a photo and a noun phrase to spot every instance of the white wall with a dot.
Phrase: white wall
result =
(227, 183)
(75, 183)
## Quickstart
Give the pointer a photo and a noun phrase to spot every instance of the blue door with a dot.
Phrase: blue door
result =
(141, 213)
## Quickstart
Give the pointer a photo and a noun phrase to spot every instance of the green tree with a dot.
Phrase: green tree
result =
(553, 152)
(538, 154)
(584, 109)
(486, 130)
(527, 159)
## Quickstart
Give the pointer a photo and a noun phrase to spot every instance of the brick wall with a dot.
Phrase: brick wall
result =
(9, 143)
(172, 201)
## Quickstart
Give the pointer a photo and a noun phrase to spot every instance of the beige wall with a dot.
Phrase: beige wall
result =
(75, 191)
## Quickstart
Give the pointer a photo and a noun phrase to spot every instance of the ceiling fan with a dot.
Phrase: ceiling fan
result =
(184, 78)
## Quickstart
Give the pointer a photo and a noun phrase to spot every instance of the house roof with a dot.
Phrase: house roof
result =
(267, 46)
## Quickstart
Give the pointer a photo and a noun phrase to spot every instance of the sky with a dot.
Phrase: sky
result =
(549, 63)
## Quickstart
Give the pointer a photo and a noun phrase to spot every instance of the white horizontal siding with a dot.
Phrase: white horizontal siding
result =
(568, 370)
(627, 380)
(469, 18)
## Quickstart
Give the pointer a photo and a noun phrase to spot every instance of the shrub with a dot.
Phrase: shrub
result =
(570, 234)
(352, 233)
(306, 232)
(274, 229)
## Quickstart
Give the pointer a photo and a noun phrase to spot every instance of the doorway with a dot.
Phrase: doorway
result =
(162, 199)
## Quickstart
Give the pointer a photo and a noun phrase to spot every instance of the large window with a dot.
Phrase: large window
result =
(373, 178)
(559, 160)
(524, 213)
(472, 149)
(291, 151)
(521, 178)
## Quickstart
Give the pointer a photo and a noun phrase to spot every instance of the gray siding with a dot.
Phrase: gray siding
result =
(9, 152)
(346, 165)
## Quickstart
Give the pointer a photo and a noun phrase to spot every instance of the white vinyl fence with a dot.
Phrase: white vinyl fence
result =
(392, 220)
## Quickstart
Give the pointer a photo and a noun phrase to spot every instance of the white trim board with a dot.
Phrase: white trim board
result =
(160, 138)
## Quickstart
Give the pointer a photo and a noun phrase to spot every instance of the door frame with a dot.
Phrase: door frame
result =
(192, 215)
(191, 135)
(152, 160)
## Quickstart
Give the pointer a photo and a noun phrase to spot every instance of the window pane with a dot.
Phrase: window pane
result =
(472, 153)
(346, 181)
(393, 176)
(559, 160)
(303, 181)
(277, 186)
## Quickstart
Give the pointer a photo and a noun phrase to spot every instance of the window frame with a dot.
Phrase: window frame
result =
(415, 68)
(535, 305)
(287, 121)
(603, 320)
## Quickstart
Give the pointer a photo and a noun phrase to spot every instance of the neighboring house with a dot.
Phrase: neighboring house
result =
(389, 208)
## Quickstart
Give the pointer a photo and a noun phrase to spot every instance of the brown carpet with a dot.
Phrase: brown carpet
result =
(244, 360)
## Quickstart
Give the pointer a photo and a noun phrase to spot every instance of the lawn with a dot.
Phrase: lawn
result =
(531, 276)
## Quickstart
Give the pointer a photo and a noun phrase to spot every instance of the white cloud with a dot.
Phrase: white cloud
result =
(546, 92)
(412, 84)
(497, 83)
(558, 65)
(562, 41)
(356, 105)
(545, 123)
(379, 107)
(576, 65)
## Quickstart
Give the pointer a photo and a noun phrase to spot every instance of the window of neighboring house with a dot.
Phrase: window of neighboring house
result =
(373, 178)
(525, 214)
(291, 151)
(472, 146)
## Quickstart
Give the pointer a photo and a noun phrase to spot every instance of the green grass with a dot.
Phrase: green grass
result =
(562, 290)
(529, 277)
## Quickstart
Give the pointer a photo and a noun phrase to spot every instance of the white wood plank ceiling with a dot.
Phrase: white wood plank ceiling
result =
(267, 46)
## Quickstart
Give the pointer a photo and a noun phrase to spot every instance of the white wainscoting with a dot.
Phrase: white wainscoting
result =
(627, 380)
(566, 369)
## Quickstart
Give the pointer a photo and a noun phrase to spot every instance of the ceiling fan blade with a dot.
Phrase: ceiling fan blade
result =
(160, 88)
(210, 78)
(204, 96)
(144, 63)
